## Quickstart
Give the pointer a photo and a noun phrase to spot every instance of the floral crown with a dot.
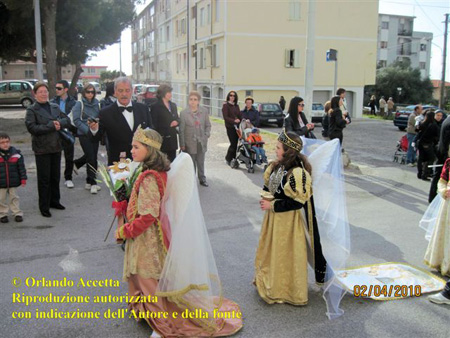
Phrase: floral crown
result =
(286, 140)
(140, 136)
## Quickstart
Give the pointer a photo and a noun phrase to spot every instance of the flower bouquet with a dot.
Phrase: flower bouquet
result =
(119, 178)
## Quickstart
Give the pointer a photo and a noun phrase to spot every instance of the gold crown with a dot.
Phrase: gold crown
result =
(140, 136)
(284, 138)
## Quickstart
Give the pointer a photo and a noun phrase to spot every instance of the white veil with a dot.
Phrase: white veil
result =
(189, 277)
(429, 218)
(331, 214)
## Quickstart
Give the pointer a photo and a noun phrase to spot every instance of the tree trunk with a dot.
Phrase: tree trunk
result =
(48, 8)
(72, 91)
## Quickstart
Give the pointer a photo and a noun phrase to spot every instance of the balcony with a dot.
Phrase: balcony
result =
(405, 32)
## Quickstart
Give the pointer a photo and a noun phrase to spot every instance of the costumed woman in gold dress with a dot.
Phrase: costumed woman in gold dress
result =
(152, 244)
(437, 255)
(287, 233)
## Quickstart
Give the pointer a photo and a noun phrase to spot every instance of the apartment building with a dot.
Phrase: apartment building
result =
(397, 41)
(256, 48)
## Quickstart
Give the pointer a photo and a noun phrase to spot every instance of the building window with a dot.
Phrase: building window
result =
(422, 65)
(178, 62)
(29, 73)
(168, 33)
(292, 58)
(202, 16)
(177, 28)
(383, 44)
(161, 36)
(184, 61)
(423, 47)
(201, 59)
(384, 25)
(217, 8)
(249, 93)
(294, 10)
(215, 55)
(134, 47)
(183, 26)
(208, 14)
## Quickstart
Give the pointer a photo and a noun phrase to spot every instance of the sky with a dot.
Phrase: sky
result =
(429, 18)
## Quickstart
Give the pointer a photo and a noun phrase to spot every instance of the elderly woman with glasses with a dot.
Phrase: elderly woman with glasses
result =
(296, 121)
(232, 116)
(84, 112)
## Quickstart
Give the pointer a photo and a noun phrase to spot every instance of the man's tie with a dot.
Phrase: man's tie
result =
(129, 108)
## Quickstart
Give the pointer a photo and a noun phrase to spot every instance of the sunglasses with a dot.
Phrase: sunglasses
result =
(59, 88)
(90, 91)
(301, 104)
(232, 95)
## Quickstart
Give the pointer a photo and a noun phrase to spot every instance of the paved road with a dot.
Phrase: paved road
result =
(385, 202)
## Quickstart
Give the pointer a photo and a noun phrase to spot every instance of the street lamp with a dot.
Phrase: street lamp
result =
(399, 90)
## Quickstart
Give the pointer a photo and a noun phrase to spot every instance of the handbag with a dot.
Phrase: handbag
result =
(67, 137)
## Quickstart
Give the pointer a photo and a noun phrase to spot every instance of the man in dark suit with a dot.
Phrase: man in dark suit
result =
(120, 120)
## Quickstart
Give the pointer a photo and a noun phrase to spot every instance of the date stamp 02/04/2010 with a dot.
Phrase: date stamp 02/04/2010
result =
(397, 291)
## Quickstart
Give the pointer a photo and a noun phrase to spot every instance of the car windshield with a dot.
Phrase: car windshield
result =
(152, 89)
(317, 106)
(270, 107)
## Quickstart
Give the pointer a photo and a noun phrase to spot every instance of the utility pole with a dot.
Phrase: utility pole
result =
(444, 56)
(309, 69)
(37, 28)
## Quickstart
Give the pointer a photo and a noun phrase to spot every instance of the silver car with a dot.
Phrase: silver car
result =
(16, 92)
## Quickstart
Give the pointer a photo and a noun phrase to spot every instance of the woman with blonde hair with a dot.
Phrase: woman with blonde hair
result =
(166, 239)
(195, 129)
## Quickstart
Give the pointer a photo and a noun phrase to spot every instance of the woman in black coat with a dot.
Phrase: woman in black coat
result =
(427, 138)
(165, 120)
(44, 122)
(296, 121)
(337, 121)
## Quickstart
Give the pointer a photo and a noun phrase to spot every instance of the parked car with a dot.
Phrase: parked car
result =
(317, 112)
(98, 89)
(16, 92)
(136, 90)
(147, 95)
(402, 115)
(270, 113)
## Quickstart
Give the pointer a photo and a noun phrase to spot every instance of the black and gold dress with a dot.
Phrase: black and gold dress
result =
(289, 231)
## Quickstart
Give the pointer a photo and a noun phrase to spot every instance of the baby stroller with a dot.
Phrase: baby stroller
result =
(402, 148)
(245, 153)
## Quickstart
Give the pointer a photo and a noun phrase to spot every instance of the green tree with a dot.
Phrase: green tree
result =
(401, 75)
(79, 28)
(110, 75)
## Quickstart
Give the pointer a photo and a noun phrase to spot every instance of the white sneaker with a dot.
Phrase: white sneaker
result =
(87, 186)
(94, 189)
(439, 299)
(69, 184)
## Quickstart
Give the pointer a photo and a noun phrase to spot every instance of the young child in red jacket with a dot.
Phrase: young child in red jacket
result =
(256, 142)
(12, 175)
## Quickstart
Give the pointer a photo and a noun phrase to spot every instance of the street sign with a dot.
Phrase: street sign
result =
(331, 55)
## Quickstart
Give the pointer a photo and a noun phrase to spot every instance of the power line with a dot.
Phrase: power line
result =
(420, 7)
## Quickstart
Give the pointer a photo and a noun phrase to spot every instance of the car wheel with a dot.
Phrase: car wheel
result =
(280, 124)
(26, 102)
(402, 128)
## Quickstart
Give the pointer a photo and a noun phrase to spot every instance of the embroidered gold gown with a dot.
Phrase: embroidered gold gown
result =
(145, 253)
(287, 233)
(437, 255)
